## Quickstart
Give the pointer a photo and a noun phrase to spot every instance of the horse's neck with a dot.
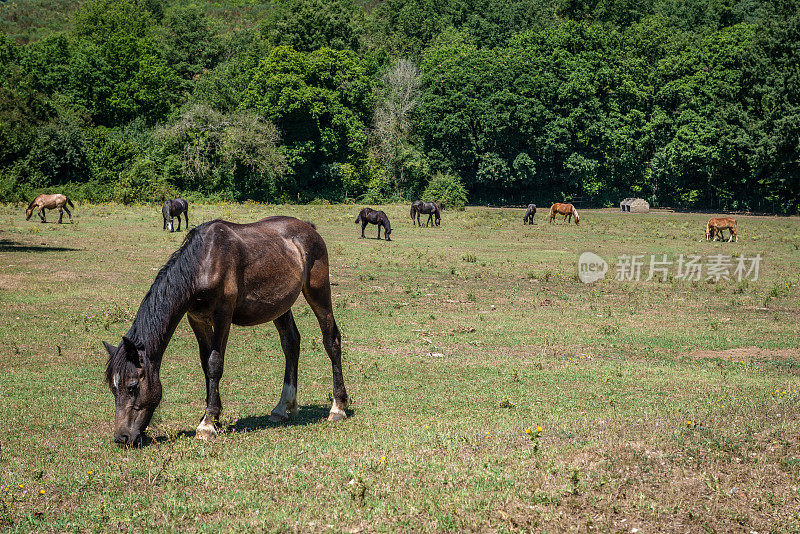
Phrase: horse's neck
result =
(155, 326)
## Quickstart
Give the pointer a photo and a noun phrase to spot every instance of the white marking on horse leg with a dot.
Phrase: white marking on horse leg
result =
(337, 412)
(287, 405)
(206, 429)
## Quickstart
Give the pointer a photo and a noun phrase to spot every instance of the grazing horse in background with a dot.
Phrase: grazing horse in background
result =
(50, 202)
(567, 210)
(716, 225)
(431, 209)
(528, 218)
(174, 208)
(371, 216)
(223, 274)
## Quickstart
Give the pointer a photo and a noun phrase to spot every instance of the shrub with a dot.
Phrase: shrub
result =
(446, 189)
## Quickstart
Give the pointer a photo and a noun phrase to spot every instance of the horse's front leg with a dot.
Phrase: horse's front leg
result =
(42, 216)
(212, 338)
(290, 343)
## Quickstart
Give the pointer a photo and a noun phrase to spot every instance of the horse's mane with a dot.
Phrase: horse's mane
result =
(386, 225)
(32, 203)
(174, 283)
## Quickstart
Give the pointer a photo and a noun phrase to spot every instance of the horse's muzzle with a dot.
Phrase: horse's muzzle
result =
(124, 441)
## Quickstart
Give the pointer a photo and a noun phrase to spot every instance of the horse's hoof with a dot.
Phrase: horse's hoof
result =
(337, 416)
(206, 431)
(277, 418)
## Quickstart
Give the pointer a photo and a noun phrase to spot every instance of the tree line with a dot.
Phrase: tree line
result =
(687, 103)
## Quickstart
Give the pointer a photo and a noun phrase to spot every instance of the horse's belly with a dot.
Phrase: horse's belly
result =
(257, 307)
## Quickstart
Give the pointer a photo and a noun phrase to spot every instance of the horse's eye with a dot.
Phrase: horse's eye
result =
(133, 388)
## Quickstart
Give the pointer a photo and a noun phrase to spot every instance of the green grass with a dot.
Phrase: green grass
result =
(664, 405)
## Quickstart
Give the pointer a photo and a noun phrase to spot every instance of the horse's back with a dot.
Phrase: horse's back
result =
(722, 222)
(266, 262)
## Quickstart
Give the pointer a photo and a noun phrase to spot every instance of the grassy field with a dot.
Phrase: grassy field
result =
(663, 405)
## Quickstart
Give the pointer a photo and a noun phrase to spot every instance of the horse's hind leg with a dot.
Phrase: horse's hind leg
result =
(318, 295)
(179, 223)
(68, 213)
(60, 215)
(290, 342)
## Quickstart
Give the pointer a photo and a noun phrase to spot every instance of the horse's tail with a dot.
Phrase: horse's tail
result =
(412, 211)
(577, 217)
(358, 219)
(69, 202)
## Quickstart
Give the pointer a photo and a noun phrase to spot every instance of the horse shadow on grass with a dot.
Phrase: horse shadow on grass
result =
(6, 245)
(306, 415)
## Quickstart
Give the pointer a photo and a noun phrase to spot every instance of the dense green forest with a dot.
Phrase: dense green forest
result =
(688, 103)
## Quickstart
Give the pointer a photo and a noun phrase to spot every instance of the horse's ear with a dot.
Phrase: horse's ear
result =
(135, 354)
(111, 349)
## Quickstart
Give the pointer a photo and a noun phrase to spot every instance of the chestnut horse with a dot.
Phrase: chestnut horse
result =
(716, 225)
(431, 209)
(174, 208)
(369, 215)
(223, 274)
(528, 218)
(50, 202)
(567, 210)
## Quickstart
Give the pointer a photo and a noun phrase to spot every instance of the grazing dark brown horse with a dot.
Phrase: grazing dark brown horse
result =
(224, 273)
(371, 216)
(567, 210)
(716, 225)
(431, 209)
(50, 202)
(174, 208)
(528, 218)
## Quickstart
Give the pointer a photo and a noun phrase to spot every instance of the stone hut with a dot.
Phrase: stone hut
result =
(634, 205)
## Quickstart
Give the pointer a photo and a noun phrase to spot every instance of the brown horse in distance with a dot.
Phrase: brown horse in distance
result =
(50, 202)
(528, 218)
(716, 225)
(223, 274)
(371, 216)
(567, 210)
(431, 209)
(174, 208)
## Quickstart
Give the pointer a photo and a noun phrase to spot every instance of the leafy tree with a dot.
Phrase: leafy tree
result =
(189, 46)
(233, 154)
(308, 25)
(321, 102)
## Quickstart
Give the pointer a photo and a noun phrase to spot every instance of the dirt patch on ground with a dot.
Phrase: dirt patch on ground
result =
(747, 353)
(12, 282)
